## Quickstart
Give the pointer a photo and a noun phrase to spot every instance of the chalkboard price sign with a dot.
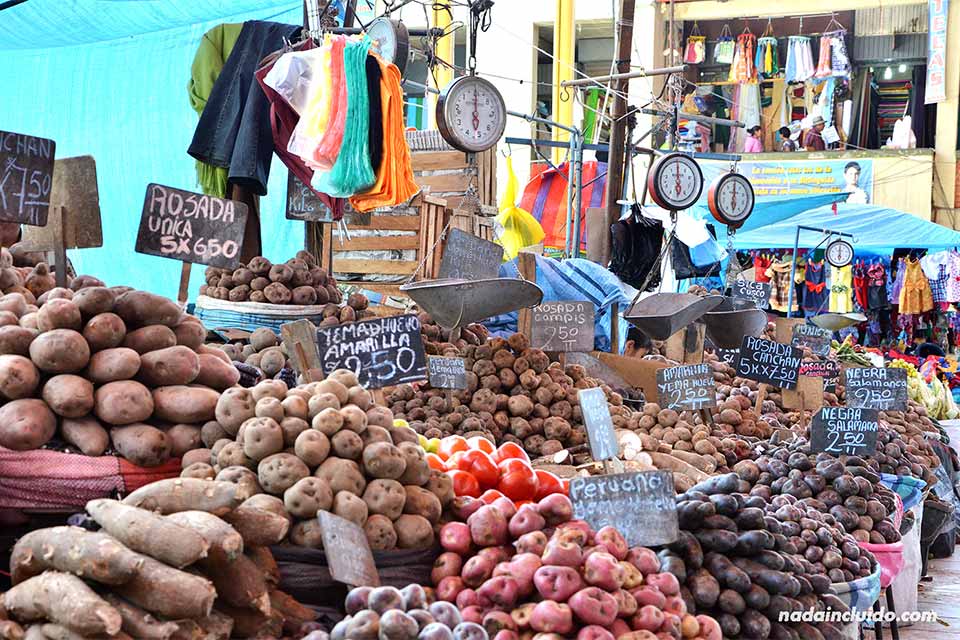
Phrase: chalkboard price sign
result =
(686, 387)
(303, 203)
(769, 362)
(348, 552)
(756, 292)
(640, 505)
(567, 325)
(844, 431)
(191, 227)
(829, 370)
(876, 388)
(599, 424)
(26, 178)
(813, 337)
(381, 352)
(468, 257)
(447, 373)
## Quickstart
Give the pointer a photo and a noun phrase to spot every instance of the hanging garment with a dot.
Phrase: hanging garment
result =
(896, 281)
(931, 263)
(877, 299)
(780, 285)
(760, 265)
(799, 60)
(860, 286)
(724, 49)
(815, 294)
(742, 69)
(233, 131)
(767, 61)
(841, 292)
(375, 106)
(839, 60)
(824, 68)
(915, 294)
(953, 281)
(215, 47)
(395, 183)
(635, 251)
(938, 285)
(696, 49)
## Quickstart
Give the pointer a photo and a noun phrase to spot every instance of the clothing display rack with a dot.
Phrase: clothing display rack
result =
(893, 103)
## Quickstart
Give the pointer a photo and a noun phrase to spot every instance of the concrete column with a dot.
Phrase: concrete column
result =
(945, 142)
(441, 18)
(564, 49)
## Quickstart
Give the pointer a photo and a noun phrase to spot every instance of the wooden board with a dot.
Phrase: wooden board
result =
(639, 374)
(75, 190)
(808, 394)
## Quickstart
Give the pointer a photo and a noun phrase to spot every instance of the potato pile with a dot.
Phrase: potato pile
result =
(297, 281)
(162, 565)
(745, 558)
(106, 368)
(324, 446)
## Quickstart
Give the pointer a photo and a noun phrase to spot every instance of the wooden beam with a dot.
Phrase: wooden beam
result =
(389, 267)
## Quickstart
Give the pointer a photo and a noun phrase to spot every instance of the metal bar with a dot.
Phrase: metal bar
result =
(578, 194)
(417, 85)
(579, 82)
(354, 31)
(692, 116)
(793, 272)
(529, 118)
(818, 229)
(552, 143)
(571, 192)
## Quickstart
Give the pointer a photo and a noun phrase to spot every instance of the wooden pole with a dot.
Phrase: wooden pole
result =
(761, 396)
(618, 130)
(60, 250)
(527, 265)
(183, 294)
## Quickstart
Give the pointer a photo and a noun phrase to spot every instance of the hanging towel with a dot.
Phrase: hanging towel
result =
(839, 60)
(696, 49)
(799, 59)
(767, 61)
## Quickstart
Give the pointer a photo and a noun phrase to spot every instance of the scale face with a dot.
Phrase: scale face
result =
(730, 199)
(839, 253)
(391, 40)
(471, 114)
(675, 181)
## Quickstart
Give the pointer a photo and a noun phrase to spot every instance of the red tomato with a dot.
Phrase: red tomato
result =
(453, 462)
(436, 462)
(450, 445)
(481, 465)
(566, 486)
(517, 480)
(481, 443)
(547, 483)
(464, 484)
(490, 496)
(510, 450)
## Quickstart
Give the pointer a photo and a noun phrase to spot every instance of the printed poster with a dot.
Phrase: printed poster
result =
(797, 178)
(936, 90)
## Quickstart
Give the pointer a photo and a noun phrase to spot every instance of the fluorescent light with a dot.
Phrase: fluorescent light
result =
(888, 73)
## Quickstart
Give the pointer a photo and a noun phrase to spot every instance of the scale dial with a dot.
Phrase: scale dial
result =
(471, 114)
(839, 253)
(391, 40)
(730, 199)
(675, 181)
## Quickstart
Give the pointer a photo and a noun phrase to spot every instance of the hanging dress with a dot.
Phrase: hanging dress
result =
(896, 281)
(841, 290)
(742, 69)
(780, 284)
(824, 66)
(915, 294)
(799, 60)
(860, 286)
(953, 277)
(815, 288)
(877, 299)
(767, 61)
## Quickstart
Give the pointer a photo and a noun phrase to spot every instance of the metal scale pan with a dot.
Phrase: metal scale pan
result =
(456, 303)
(837, 321)
(663, 314)
(732, 320)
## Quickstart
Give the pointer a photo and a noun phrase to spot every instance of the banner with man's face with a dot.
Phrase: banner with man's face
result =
(795, 178)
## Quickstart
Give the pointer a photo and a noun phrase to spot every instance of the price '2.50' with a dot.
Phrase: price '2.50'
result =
(844, 442)
(696, 398)
(381, 369)
(171, 245)
(566, 335)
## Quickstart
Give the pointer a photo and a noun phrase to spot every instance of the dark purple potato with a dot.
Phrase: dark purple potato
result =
(422, 616)
(445, 613)
(339, 631)
(469, 631)
(385, 598)
(396, 625)
(414, 597)
(364, 626)
(435, 631)
(357, 600)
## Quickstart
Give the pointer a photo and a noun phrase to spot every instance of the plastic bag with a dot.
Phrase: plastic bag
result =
(519, 228)
(328, 146)
(724, 49)
(695, 49)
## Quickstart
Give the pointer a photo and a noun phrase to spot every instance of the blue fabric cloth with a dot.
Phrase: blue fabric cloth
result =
(876, 230)
(909, 489)
(860, 594)
(573, 279)
(109, 79)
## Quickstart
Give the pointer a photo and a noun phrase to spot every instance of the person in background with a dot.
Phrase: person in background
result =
(787, 144)
(638, 344)
(753, 143)
(851, 174)
(812, 139)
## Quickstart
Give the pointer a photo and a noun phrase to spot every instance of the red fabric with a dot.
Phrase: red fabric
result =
(760, 266)
(135, 477)
(860, 290)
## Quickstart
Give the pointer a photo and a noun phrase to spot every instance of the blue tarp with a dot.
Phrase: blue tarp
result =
(109, 78)
(876, 230)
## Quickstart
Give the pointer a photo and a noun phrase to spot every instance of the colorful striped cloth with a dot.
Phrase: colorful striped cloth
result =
(860, 594)
(909, 489)
(545, 197)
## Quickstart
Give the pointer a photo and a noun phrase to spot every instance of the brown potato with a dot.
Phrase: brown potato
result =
(345, 377)
(272, 361)
(93, 301)
(413, 532)
(262, 437)
(246, 480)
(15, 340)
(234, 407)
(141, 444)
(140, 308)
(312, 447)
(380, 416)
(170, 366)
(383, 460)
(336, 388)
(152, 338)
(209, 350)
(190, 332)
(68, 395)
(183, 438)
(109, 365)
(215, 373)
(59, 313)
(292, 428)
(197, 455)
(375, 434)
(361, 398)
(211, 431)
(347, 444)
(269, 407)
(29, 320)
(104, 331)
(416, 470)
(19, 377)
(123, 402)
(13, 302)
(421, 502)
(295, 406)
(342, 475)
(275, 388)
(26, 424)
(441, 485)
(232, 455)
(404, 434)
(200, 470)
(354, 419)
(279, 472)
(385, 497)
(380, 533)
(86, 434)
(307, 533)
(320, 402)
(263, 338)
(308, 496)
(185, 404)
(350, 507)
(60, 351)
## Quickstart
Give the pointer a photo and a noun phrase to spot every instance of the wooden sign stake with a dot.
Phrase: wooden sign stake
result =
(378, 397)
(803, 410)
(183, 294)
(300, 339)
(761, 396)
(706, 416)
(527, 265)
(60, 250)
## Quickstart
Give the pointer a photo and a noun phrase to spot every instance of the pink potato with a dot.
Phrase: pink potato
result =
(557, 583)
(496, 554)
(488, 527)
(643, 635)
(534, 542)
(709, 628)
(601, 569)
(551, 617)
(689, 626)
(500, 592)
(449, 588)
(647, 618)
(594, 606)
(445, 613)
(506, 634)
(505, 506)
(555, 508)
(455, 537)
(644, 559)
(26, 424)
(626, 603)
(593, 632)
(648, 595)
(563, 553)
(447, 564)
(620, 629)
(464, 506)
(357, 600)
(496, 621)
(521, 615)
(521, 568)
(473, 614)
(477, 570)
(467, 598)
(576, 531)
(632, 578)
(675, 605)
(525, 520)
(614, 542)
(667, 583)
(671, 625)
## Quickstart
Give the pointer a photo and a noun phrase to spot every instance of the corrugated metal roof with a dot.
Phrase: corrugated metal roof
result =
(910, 18)
(911, 46)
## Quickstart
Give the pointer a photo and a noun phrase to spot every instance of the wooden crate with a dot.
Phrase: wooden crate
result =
(478, 225)
(418, 233)
(447, 173)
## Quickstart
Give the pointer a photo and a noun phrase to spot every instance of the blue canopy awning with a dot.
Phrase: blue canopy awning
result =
(875, 229)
